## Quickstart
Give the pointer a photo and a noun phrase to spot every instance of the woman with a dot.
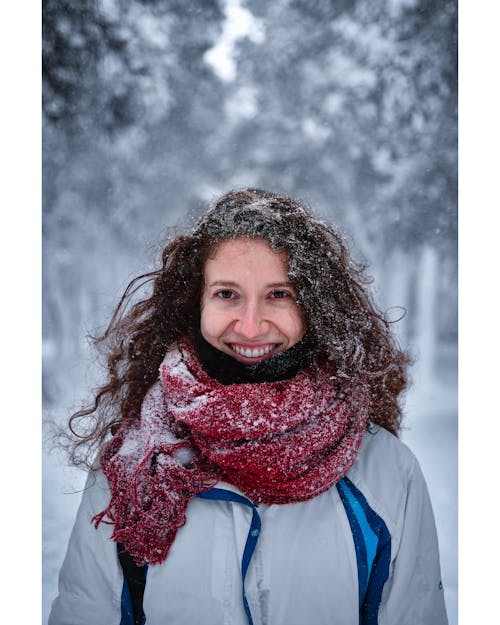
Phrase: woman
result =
(249, 467)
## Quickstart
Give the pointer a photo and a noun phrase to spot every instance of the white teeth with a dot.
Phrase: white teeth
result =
(252, 353)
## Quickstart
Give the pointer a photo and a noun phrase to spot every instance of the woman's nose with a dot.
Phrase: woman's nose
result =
(249, 323)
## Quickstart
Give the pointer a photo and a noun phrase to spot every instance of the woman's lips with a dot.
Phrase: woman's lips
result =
(252, 353)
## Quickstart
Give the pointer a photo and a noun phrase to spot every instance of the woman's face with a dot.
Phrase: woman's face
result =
(248, 306)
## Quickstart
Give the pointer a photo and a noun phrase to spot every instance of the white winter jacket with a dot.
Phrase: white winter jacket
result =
(363, 552)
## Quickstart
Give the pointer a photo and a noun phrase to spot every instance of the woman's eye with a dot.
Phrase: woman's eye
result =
(278, 294)
(225, 294)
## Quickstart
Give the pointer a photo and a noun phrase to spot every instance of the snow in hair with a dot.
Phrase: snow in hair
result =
(331, 287)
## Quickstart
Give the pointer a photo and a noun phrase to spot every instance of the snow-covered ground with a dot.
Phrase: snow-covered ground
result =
(430, 431)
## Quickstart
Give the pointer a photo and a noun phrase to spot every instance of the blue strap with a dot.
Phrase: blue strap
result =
(218, 494)
(127, 611)
(372, 543)
(126, 605)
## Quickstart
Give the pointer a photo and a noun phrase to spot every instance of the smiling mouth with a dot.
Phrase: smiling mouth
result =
(255, 352)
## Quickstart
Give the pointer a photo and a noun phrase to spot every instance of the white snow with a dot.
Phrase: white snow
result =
(239, 23)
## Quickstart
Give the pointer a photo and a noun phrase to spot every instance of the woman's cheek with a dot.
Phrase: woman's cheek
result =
(213, 320)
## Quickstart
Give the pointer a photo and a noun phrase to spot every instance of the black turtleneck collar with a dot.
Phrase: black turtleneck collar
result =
(227, 370)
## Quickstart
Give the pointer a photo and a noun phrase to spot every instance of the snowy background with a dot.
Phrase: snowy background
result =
(152, 108)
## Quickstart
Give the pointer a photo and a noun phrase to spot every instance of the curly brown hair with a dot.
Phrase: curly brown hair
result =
(343, 324)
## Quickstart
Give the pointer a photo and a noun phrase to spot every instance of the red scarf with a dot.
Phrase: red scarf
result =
(278, 442)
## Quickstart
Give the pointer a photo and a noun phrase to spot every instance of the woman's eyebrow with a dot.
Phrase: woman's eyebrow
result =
(223, 283)
(271, 285)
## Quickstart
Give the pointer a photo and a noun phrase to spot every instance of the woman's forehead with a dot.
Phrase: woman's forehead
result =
(245, 254)
(245, 246)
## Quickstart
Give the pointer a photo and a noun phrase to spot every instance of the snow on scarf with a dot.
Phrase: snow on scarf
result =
(278, 442)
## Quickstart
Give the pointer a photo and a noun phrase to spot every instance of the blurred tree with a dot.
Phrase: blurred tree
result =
(108, 64)
(355, 101)
(362, 110)
(121, 82)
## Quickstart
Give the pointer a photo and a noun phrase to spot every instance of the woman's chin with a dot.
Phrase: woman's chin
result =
(245, 360)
